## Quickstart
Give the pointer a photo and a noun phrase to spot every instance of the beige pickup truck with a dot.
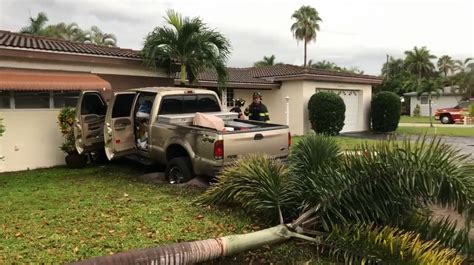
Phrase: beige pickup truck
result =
(157, 123)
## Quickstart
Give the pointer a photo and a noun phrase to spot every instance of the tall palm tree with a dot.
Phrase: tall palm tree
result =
(431, 88)
(445, 64)
(266, 61)
(418, 63)
(306, 26)
(363, 207)
(96, 36)
(37, 25)
(464, 77)
(189, 43)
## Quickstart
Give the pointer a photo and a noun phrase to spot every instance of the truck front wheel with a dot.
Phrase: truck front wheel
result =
(446, 119)
(179, 170)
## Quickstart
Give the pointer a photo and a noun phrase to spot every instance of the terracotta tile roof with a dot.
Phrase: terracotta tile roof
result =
(275, 73)
(44, 80)
(285, 70)
(237, 75)
(23, 41)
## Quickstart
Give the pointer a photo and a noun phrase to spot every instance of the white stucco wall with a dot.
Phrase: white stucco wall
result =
(25, 63)
(300, 92)
(31, 140)
(437, 103)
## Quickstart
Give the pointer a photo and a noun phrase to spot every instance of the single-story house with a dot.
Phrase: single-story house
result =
(39, 76)
(448, 98)
(280, 84)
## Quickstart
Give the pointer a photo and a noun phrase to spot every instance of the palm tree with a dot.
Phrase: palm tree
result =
(96, 36)
(418, 63)
(189, 43)
(365, 207)
(63, 31)
(37, 25)
(267, 61)
(306, 26)
(464, 77)
(445, 64)
(430, 87)
(324, 65)
(393, 68)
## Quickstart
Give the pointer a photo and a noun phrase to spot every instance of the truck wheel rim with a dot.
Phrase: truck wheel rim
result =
(445, 119)
(176, 176)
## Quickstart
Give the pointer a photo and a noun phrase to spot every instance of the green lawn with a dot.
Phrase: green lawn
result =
(346, 143)
(60, 215)
(445, 131)
(410, 119)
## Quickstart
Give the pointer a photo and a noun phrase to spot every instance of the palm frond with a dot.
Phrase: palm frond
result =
(443, 230)
(369, 244)
(256, 183)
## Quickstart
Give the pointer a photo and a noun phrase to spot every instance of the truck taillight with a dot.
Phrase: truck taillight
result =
(219, 149)
(289, 140)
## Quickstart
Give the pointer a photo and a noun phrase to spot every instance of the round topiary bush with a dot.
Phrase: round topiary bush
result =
(385, 111)
(326, 113)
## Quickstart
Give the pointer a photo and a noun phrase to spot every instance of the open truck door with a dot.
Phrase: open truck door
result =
(89, 122)
(119, 133)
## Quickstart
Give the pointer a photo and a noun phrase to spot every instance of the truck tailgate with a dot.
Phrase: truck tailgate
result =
(273, 142)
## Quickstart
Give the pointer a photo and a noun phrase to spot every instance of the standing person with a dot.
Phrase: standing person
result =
(257, 111)
(239, 102)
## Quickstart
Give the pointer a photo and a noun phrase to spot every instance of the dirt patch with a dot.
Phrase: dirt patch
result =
(440, 212)
(159, 178)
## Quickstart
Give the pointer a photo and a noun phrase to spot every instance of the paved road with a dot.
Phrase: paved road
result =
(465, 144)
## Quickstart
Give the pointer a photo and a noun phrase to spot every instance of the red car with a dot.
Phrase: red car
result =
(452, 115)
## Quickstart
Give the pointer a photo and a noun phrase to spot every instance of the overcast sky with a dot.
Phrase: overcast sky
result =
(353, 33)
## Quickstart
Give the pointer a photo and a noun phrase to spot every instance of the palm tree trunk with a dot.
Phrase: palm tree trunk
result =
(305, 44)
(197, 251)
(429, 109)
(183, 74)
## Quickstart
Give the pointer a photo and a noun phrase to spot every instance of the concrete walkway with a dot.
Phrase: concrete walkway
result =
(436, 124)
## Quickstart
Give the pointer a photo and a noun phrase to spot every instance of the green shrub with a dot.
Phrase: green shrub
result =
(416, 111)
(2, 128)
(326, 113)
(471, 110)
(385, 111)
(66, 126)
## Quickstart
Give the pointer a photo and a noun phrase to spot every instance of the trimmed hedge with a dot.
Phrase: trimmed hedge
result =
(326, 113)
(385, 111)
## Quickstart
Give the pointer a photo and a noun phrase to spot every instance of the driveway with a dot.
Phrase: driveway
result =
(436, 124)
(464, 144)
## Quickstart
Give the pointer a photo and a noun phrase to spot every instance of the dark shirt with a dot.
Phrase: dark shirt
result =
(257, 112)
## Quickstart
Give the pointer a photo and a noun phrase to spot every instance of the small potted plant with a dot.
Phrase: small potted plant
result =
(66, 126)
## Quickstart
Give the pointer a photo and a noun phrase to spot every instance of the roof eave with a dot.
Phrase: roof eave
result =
(242, 85)
(327, 78)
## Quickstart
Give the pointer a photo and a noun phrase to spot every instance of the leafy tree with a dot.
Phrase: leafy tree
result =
(37, 25)
(306, 26)
(189, 43)
(96, 36)
(431, 88)
(395, 77)
(445, 65)
(267, 61)
(418, 63)
(363, 207)
(328, 65)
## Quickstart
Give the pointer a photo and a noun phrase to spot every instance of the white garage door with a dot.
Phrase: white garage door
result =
(351, 100)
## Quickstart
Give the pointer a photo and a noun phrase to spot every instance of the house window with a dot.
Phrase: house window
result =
(424, 100)
(65, 99)
(4, 99)
(32, 100)
(230, 97)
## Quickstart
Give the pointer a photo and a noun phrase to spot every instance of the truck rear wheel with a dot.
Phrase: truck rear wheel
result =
(179, 170)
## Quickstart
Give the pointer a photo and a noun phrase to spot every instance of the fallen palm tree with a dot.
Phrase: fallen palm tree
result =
(369, 208)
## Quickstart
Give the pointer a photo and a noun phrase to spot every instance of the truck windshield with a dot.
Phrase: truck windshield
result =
(193, 103)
